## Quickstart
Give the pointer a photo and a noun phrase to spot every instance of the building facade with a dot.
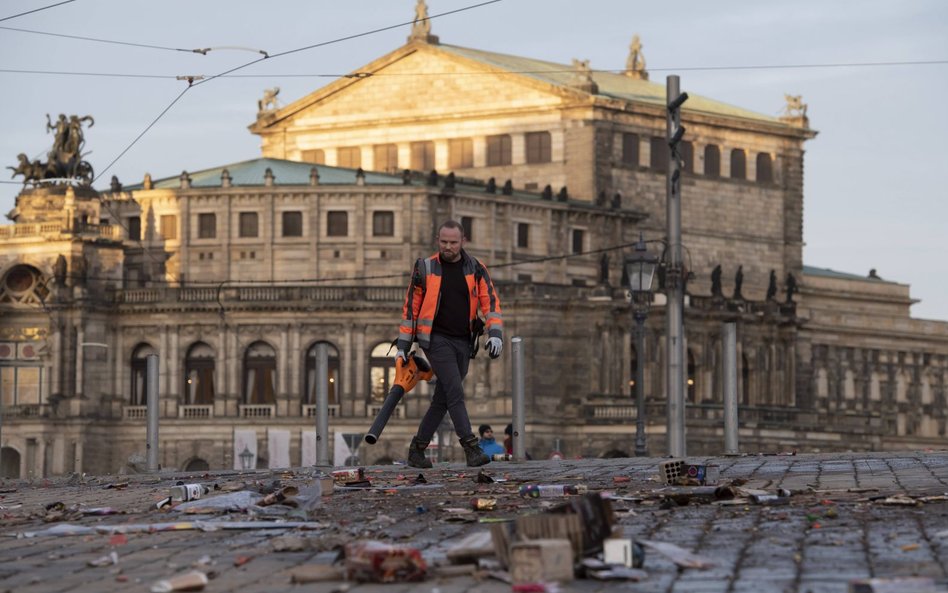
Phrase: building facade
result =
(233, 275)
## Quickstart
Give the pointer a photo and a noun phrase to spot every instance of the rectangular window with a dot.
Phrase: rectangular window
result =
(659, 157)
(169, 227)
(538, 147)
(248, 224)
(630, 150)
(499, 150)
(579, 240)
(317, 156)
(523, 234)
(20, 385)
(337, 224)
(293, 224)
(386, 157)
(383, 224)
(468, 223)
(207, 225)
(422, 156)
(460, 153)
(349, 157)
(134, 228)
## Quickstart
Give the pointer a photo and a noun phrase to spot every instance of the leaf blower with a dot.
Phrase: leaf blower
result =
(407, 375)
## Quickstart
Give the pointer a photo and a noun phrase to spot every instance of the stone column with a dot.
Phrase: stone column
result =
(295, 387)
(57, 358)
(221, 376)
(174, 379)
(80, 360)
(283, 392)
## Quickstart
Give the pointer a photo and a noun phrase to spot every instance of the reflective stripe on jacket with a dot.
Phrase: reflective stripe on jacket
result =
(424, 295)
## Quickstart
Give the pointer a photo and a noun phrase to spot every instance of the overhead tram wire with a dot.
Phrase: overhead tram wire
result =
(346, 38)
(498, 73)
(35, 10)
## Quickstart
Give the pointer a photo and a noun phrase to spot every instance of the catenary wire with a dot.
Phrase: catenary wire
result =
(345, 38)
(498, 73)
(97, 40)
(7, 18)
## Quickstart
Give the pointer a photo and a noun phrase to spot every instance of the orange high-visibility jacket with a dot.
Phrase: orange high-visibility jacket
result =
(424, 296)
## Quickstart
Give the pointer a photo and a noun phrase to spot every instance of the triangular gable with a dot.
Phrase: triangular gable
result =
(418, 81)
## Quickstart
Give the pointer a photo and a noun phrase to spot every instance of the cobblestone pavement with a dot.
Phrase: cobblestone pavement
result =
(837, 527)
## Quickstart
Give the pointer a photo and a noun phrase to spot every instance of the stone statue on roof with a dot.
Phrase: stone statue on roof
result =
(583, 77)
(421, 26)
(795, 106)
(635, 64)
(269, 101)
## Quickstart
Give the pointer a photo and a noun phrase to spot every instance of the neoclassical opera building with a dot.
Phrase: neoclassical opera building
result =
(233, 275)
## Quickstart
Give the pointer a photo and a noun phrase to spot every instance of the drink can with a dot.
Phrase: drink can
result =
(350, 474)
(484, 504)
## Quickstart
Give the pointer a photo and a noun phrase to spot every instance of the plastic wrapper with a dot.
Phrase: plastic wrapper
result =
(377, 562)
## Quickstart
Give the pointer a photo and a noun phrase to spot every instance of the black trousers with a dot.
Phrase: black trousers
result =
(449, 358)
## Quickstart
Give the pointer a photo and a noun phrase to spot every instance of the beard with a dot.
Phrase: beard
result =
(450, 256)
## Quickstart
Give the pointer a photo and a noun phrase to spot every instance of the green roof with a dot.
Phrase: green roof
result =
(828, 273)
(251, 173)
(617, 86)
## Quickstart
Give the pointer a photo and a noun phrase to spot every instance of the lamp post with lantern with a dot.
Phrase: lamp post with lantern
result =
(639, 269)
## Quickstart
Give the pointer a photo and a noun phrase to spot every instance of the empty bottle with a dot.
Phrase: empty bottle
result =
(551, 490)
(186, 492)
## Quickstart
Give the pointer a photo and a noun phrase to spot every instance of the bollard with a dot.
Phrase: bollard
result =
(519, 420)
(151, 432)
(322, 404)
(729, 347)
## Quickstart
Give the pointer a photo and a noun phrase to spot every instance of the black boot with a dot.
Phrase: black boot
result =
(416, 453)
(475, 456)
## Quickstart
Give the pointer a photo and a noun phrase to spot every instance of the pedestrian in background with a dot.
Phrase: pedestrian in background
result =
(488, 444)
(508, 439)
(446, 292)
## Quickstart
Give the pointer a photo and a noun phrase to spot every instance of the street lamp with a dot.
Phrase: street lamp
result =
(246, 458)
(639, 269)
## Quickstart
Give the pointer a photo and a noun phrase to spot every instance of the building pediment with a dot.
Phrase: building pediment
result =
(418, 82)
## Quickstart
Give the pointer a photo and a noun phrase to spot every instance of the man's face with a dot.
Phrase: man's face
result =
(450, 243)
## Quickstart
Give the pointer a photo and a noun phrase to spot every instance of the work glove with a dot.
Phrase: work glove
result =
(400, 354)
(494, 347)
(406, 374)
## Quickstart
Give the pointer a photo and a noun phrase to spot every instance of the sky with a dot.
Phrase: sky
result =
(875, 195)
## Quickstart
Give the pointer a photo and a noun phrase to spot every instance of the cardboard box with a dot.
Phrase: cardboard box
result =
(541, 561)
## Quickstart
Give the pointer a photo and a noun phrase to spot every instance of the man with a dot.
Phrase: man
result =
(444, 296)
(488, 444)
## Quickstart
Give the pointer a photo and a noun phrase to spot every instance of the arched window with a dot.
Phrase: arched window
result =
(138, 396)
(738, 164)
(199, 375)
(765, 168)
(687, 152)
(712, 161)
(23, 285)
(381, 372)
(659, 154)
(197, 464)
(309, 389)
(259, 374)
(745, 380)
(634, 364)
(9, 463)
(691, 381)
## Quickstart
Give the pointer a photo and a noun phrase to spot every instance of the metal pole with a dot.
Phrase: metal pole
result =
(151, 389)
(674, 343)
(641, 445)
(729, 347)
(322, 404)
(519, 419)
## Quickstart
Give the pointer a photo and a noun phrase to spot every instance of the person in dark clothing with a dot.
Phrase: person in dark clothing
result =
(446, 292)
